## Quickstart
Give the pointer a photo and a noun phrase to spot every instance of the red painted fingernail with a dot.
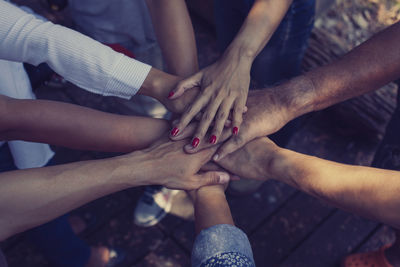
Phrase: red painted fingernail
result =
(213, 139)
(171, 94)
(195, 142)
(235, 130)
(174, 131)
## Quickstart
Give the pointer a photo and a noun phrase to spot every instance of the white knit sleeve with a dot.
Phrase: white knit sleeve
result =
(78, 58)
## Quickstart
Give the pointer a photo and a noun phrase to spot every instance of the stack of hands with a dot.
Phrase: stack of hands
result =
(202, 140)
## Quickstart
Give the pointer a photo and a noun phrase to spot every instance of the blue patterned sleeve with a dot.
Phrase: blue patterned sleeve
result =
(221, 246)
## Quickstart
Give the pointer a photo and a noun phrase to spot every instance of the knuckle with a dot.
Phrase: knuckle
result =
(207, 116)
(208, 89)
(221, 115)
(238, 140)
(239, 109)
(213, 178)
(238, 120)
(188, 109)
(180, 85)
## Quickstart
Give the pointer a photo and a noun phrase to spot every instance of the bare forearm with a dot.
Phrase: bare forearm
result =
(369, 192)
(175, 35)
(34, 196)
(366, 68)
(76, 127)
(211, 208)
(258, 28)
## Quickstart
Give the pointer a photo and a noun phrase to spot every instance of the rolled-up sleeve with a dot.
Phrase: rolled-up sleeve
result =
(222, 245)
(78, 58)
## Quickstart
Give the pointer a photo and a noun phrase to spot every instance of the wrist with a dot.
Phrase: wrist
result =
(296, 97)
(133, 169)
(244, 57)
(158, 84)
(210, 193)
(288, 167)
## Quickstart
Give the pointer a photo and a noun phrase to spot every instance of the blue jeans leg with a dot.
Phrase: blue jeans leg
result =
(55, 239)
(281, 58)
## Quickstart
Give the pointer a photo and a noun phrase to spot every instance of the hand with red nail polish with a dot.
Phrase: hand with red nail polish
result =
(163, 93)
(235, 130)
(195, 142)
(213, 139)
(174, 132)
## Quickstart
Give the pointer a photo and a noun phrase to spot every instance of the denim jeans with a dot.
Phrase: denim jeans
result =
(55, 239)
(281, 58)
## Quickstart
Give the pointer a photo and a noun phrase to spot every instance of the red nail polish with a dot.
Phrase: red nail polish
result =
(174, 131)
(171, 94)
(195, 142)
(213, 139)
(235, 130)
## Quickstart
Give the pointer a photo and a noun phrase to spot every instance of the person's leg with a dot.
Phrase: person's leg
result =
(55, 239)
(59, 243)
(229, 16)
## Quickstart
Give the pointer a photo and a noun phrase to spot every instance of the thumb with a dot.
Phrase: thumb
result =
(212, 178)
(185, 85)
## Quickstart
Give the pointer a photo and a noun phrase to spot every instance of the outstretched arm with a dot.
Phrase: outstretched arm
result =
(210, 207)
(370, 192)
(75, 126)
(366, 68)
(217, 236)
(34, 196)
(78, 58)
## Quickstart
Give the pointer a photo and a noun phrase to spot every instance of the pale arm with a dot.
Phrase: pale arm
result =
(75, 126)
(211, 207)
(216, 231)
(175, 35)
(31, 197)
(369, 192)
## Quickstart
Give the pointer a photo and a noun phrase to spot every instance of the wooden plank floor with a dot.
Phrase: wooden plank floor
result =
(286, 227)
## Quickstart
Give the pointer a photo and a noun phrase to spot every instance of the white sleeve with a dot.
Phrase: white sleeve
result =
(78, 58)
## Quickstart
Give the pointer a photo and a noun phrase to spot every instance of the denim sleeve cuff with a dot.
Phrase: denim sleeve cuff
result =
(218, 239)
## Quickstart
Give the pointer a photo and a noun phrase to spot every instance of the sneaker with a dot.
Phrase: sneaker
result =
(153, 205)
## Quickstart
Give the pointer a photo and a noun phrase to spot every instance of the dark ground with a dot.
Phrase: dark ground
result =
(286, 227)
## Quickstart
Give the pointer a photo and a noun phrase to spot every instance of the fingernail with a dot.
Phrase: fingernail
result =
(171, 94)
(216, 157)
(223, 178)
(174, 131)
(195, 142)
(213, 139)
(235, 130)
